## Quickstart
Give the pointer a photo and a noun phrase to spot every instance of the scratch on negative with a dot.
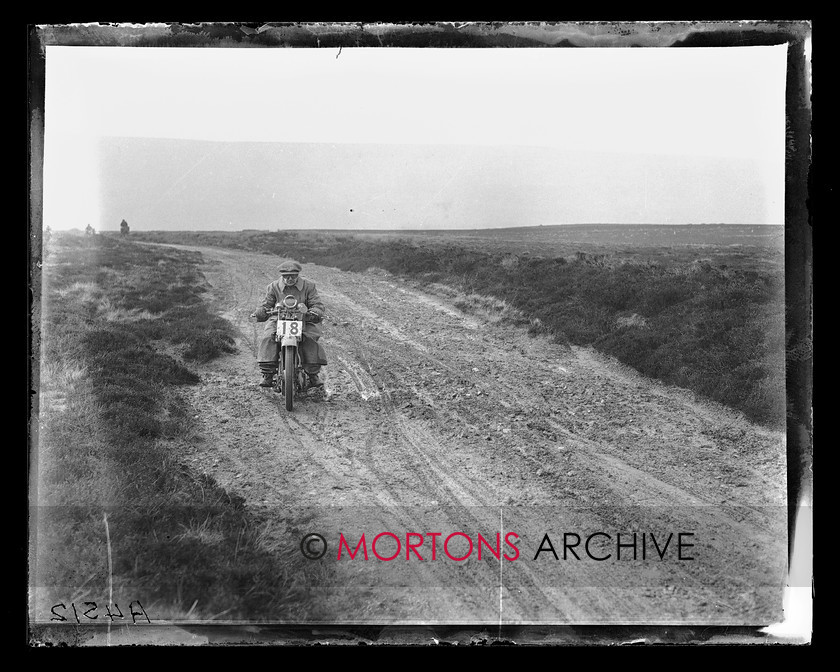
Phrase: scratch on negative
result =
(110, 570)
(502, 531)
(339, 52)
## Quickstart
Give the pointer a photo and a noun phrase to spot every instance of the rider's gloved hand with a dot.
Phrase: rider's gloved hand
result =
(261, 314)
(302, 307)
(313, 317)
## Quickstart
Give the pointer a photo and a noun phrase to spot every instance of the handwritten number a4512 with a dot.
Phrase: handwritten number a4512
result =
(135, 609)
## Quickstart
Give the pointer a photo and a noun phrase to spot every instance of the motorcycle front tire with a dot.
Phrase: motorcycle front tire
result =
(289, 366)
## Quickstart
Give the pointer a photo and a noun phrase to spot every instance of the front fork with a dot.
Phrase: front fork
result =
(301, 379)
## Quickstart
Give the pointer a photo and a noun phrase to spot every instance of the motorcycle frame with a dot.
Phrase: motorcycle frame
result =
(289, 341)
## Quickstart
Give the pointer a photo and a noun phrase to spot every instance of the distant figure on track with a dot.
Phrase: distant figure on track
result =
(124, 228)
(89, 230)
(312, 353)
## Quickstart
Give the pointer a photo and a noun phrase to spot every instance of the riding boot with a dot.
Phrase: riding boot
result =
(268, 371)
(313, 371)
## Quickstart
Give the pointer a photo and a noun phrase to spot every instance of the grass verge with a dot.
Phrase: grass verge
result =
(117, 517)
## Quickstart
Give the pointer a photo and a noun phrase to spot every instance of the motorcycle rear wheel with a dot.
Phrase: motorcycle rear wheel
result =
(289, 366)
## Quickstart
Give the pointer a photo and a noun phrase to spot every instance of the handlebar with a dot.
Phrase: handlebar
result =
(277, 311)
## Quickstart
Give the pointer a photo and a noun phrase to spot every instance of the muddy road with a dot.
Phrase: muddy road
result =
(438, 425)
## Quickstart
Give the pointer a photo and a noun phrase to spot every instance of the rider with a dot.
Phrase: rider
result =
(312, 353)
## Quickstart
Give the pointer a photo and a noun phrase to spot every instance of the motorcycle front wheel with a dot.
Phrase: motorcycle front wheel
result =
(289, 366)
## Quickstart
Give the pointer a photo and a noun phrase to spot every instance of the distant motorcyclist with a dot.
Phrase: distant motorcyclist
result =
(312, 353)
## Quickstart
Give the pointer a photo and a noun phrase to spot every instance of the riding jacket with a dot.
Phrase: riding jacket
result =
(304, 291)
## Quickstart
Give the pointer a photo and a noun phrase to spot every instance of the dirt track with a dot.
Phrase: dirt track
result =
(437, 421)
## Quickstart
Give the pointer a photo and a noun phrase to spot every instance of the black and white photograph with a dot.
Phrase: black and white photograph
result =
(460, 333)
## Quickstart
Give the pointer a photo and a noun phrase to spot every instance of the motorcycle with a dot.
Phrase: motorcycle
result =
(291, 379)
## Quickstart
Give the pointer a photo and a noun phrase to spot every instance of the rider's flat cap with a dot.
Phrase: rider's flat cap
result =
(289, 267)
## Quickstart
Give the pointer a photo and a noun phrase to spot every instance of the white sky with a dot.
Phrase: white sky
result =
(713, 102)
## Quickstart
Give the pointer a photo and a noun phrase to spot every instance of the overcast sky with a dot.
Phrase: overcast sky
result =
(700, 104)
